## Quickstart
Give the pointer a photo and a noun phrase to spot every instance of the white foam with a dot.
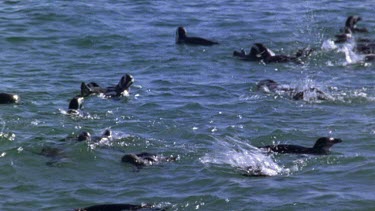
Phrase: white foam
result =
(243, 157)
(329, 45)
(350, 56)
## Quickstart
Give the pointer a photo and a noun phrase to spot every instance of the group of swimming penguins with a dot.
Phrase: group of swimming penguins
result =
(258, 52)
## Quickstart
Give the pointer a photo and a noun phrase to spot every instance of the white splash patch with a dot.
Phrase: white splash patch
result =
(350, 56)
(312, 92)
(36, 122)
(100, 142)
(125, 93)
(243, 157)
(8, 136)
(113, 140)
(329, 45)
(359, 95)
(78, 113)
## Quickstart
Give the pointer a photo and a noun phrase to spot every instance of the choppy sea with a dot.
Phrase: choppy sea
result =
(195, 102)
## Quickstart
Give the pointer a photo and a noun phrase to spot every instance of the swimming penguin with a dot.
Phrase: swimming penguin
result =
(299, 95)
(259, 52)
(121, 89)
(6, 98)
(51, 151)
(86, 136)
(321, 147)
(107, 134)
(369, 58)
(182, 38)
(351, 23)
(346, 36)
(269, 85)
(75, 105)
(55, 154)
(366, 48)
(119, 207)
(368, 51)
(145, 159)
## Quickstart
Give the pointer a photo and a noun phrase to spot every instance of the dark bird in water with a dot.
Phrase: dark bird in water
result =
(51, 151)
(75, 105)
(182, 38)
(119, 207)
(55, 154)
(366, 48)
(269, 85)
(370, 58)
(321, 147)
(6, 98)
(122, 88)
(86, 136)
(145, 159)
(351, 23)
(346, 36)
(259, 52)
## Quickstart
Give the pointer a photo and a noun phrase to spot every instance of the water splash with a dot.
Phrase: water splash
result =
(243, 157)
(347, 48)
(350, 56)
(8, 136)
(78, 114)
(329, 45)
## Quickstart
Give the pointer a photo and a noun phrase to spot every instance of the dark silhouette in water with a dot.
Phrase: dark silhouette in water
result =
(259, 52)
(351, 23)
(269, 85)
(86, 136)
(344, 37)
(182, 38)
(366, 48)
(349, 29)
(6, 98)
(145, 159)
(75, 105)
(369, 57)
(119, 207)
(56, 155)
(122, 88)
(51, 152)
(321, 147)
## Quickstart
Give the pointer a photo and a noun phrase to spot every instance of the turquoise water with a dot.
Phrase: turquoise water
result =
(198, 103)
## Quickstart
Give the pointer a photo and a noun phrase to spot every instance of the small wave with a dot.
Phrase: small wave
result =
(118, 140)
(244, 158)
(354, 96)
(78, 114)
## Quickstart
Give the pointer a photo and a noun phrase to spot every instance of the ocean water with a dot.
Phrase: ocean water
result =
(197, 103)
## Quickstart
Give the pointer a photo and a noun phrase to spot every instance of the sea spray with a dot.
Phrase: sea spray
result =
(243, 157)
